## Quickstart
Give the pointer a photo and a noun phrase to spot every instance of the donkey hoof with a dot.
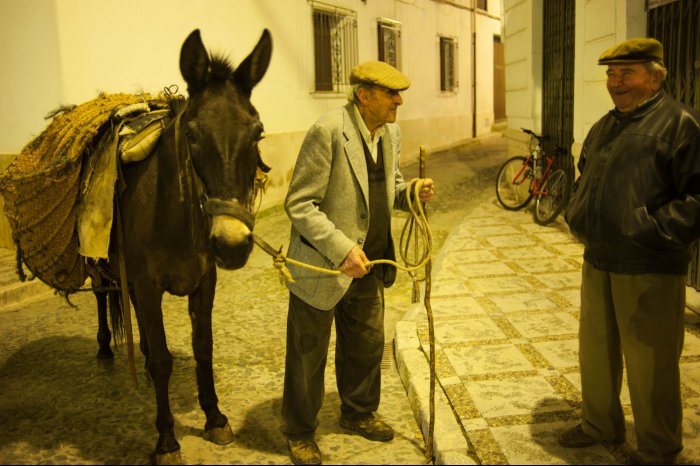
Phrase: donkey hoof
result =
(105, 354)
(105, 365)
(220, 435)
(173, 457)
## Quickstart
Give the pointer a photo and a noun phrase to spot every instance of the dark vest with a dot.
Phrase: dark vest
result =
(377, 241)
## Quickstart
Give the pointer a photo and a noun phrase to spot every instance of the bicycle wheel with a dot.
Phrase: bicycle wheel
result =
(555, 195)
(513, 183)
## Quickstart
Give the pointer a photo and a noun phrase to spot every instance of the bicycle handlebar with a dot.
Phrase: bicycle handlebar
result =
(540, 137)
(559, 151)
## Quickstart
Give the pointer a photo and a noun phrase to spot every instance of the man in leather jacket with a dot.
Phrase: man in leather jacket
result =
(636, 209)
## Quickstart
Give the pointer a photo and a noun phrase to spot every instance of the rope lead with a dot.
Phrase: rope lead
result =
(417, 220)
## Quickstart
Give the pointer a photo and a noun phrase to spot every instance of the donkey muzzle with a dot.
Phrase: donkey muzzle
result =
(230, 238)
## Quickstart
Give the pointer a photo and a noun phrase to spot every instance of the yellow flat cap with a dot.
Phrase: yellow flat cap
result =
(381, 74)
(637, 50)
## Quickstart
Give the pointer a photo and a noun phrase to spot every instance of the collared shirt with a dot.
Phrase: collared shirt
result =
(367, 136)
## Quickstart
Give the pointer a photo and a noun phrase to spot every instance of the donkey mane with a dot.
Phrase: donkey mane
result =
(220, 67)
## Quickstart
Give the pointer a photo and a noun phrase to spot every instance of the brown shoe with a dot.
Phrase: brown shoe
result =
(370, 428)
(577, 438)
(304, 451)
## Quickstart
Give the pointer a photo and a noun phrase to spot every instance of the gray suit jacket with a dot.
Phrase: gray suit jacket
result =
(327, 202)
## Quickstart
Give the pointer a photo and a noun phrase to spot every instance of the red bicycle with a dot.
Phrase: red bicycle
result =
(537, 175)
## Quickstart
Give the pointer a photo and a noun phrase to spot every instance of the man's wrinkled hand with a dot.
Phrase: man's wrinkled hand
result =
(427, 190)
(355, 263)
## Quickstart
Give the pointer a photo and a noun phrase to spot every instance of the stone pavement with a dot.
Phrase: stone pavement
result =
(505, 307)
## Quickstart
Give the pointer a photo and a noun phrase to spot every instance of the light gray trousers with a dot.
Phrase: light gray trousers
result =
(640, 318)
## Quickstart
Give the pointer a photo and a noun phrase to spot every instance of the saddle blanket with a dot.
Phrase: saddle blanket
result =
(135, 132)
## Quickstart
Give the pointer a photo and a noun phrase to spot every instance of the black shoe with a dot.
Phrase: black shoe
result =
(577, 438)
(304, 451)
(370, 428)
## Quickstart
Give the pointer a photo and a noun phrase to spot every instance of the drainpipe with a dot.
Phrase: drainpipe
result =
(474, 68)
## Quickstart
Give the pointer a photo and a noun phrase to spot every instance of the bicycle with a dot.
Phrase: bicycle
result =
(537, 175)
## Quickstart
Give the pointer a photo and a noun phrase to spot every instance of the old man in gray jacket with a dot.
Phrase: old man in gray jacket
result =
(345, 183)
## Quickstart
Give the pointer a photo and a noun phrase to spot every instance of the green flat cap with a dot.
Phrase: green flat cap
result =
(637, 50)
(381, 74)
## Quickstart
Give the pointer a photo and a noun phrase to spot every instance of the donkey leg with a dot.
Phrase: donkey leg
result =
(217, 428)
(104, 336)
(143, 344)
(147, 305)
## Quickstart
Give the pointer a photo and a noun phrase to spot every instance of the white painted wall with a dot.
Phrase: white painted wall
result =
(600, 24)
(486, 29)
(31, 81)
(523, 62)
(132, 45)
(59, 52)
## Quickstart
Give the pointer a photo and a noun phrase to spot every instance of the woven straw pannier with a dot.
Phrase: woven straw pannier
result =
(41, 190)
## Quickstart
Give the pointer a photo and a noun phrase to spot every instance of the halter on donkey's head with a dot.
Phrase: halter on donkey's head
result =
(227, 186)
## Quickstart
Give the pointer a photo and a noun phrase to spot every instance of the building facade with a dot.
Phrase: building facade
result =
(67, 51)
(559, 41)
(553, 82)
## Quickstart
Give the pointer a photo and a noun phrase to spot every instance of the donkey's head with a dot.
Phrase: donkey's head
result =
(222, 130)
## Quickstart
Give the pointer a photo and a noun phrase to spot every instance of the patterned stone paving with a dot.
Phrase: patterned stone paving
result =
(505, 309)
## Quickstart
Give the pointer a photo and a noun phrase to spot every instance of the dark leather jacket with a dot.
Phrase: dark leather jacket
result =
(636, 205)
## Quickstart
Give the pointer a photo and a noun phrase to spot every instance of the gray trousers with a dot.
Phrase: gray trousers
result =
(640, 318)
(359, 326)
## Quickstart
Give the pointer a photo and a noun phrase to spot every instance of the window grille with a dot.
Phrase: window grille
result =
(448, 64)
(335, 46)
(676, 25)
(389, 35)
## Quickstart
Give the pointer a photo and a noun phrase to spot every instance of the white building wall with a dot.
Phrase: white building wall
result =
(523, 63)
(486, 30)
(67, 51)
(31, 80)
(600, 24)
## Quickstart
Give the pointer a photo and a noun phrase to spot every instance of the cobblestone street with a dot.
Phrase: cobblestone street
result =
(58, 405)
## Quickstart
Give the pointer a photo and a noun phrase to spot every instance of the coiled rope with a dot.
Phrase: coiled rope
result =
(416, 232)
(417, 222)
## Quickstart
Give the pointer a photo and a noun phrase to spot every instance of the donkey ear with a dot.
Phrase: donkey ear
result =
(194, 62)
(253, 68)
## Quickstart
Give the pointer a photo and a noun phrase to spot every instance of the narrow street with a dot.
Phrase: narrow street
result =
(59, 406)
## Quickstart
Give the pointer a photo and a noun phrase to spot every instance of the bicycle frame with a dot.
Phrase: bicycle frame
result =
(536, 185)
(537, 175)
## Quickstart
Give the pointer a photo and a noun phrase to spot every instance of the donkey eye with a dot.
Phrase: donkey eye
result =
(192, 132)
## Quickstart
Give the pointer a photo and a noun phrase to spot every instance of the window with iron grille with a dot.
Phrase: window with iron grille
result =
(335, 46)
(448, 64)
(389, 35)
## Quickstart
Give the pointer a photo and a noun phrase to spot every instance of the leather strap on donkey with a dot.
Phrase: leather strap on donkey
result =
(124, 288)
(214, 206)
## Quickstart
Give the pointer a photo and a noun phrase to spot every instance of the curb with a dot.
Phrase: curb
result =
(449, 444)
(14, 295)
